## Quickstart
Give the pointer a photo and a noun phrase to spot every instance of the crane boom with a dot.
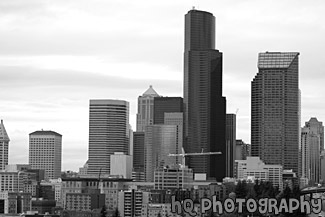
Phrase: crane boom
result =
(183, 155)
(193, 154)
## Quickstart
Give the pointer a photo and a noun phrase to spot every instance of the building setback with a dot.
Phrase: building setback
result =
(275, 110)
(4, 145)
(108, 133)
(45, 152)
(205, 107)
(163, 105)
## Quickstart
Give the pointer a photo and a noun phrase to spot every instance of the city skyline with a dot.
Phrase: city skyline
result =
(51, 65)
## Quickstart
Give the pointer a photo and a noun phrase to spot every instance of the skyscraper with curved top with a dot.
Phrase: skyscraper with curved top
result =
(108, 133)
(204, 105)
(275, 109)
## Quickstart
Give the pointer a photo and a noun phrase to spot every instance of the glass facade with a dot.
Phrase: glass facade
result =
(275, 110)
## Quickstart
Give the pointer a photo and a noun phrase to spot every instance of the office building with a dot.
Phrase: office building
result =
(255, 168)
(138, 156)
(173, 177)
(4, 146)
(243, 150)
(108, 133)
(322, 167)
(121, 165)
(45, 152)
(275, 110)
(163, 105)
(145, 109)
(312, 136)
(316, 127)
(160, 140)
(204, 105)
(86, 201)
(130, 202)
(110, 186)
(231, 143)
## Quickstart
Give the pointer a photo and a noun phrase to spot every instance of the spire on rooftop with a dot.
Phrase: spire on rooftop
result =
(150, 92)
(3, 133)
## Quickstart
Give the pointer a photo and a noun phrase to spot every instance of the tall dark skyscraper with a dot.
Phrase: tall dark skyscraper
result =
(164, 105)
(275, 109)
(204, 105)
(231, 143)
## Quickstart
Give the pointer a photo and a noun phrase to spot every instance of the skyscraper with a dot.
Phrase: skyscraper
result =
(312, 135)
(166, 104)
(4, 145)
(145, 109)
(45, 152)
(108, 133)
(204, 105)
(275, 110)
(231, 143)
(160, 140)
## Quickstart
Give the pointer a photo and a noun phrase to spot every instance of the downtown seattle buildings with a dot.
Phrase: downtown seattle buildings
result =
(45, 152)
(4, 145)
(275, 110)
(204, 105)
(108, 133)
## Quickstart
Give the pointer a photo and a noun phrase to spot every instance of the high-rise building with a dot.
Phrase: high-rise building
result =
(275, 110)
(45, 152)
(138, 154)
(108, 133)
(231, 143)
(322, 167)
(121, 165)
(4, 146)
(243, 150)
(145, 109)
(316, 127)
(204, 105)
(312, 135)
(160, 140)
(163, 105)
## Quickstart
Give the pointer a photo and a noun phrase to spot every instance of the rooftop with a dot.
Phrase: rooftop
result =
(3, 133)
(45, 133)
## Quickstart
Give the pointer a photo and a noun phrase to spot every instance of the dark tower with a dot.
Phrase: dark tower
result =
(275, 112)
(204, 105)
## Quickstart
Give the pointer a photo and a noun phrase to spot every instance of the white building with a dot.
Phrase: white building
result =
(254, 167)
(173, 177)
(45, 152)
(121, 165)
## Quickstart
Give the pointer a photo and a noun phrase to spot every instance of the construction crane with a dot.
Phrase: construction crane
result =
(183, 155)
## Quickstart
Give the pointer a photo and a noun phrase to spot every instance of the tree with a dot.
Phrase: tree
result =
(241, 189)
(116, 213)
(103, 211)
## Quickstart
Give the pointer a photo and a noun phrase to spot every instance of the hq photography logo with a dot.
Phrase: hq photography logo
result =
(239, 205)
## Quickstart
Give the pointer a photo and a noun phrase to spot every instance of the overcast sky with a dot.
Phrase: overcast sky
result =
(56, 55)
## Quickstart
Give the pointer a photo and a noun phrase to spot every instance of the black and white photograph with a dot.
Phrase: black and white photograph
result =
(120, 108)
